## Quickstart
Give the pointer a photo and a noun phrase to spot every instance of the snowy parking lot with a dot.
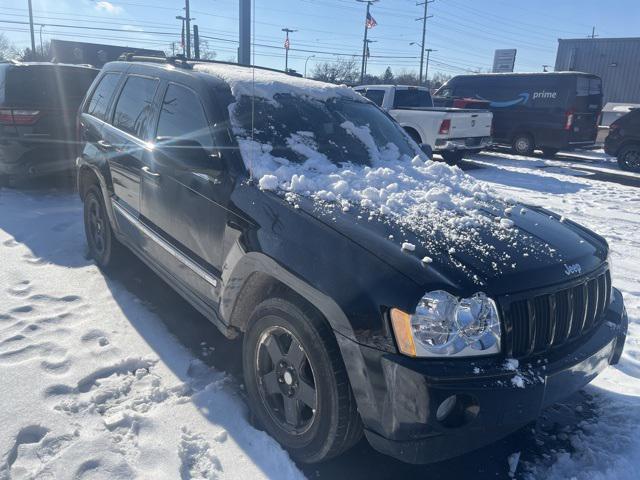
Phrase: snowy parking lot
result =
(113, 376)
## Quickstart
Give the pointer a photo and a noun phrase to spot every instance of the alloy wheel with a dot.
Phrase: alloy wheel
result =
(286, 381)
(96, 224)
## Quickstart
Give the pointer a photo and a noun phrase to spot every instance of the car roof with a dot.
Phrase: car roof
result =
(51, 64)
(241, 79)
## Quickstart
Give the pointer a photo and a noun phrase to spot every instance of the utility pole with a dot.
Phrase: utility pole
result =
(364, 42)
(196, 42)
(188, 26)
(286, 48)
(593, 33)
(33, 35)
(424, 33)
(244, 50)
(426, 70)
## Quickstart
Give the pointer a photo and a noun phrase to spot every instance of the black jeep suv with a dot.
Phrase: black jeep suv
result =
(376, 291)
(623, 141)
(38, 108)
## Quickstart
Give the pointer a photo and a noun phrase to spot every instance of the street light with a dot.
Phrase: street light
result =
(42, 25)
(426, 70)
(305, 65)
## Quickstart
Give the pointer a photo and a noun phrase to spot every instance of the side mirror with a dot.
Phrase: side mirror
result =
(427, 150)
(189, 154)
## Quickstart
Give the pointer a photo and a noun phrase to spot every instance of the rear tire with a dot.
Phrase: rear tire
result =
(523, 144)
(550, 152)
(629, 158)
(452, 157)
(104, 248)
(296, 381)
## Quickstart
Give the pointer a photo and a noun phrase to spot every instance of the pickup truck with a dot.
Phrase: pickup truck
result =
(451, 132)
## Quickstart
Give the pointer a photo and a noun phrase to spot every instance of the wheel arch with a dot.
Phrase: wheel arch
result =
(257, 277)
(413, 133)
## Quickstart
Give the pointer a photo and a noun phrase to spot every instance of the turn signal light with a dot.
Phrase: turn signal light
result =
(401, 323)
(445, 126)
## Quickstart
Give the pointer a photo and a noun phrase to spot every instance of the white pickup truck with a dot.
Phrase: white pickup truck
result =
(450, 132)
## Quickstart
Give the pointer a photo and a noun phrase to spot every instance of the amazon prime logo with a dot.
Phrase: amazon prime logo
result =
(572, 269)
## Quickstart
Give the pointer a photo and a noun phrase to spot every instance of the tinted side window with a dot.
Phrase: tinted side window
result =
(102, 95)
(376, 96)
(135, 106)
(182, 116)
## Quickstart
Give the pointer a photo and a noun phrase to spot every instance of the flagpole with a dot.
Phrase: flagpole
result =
(286, 48)
(364, 42)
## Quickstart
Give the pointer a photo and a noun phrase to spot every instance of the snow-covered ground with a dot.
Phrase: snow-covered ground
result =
(93, 385)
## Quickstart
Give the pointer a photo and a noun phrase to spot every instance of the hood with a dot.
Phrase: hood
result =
(519, 247)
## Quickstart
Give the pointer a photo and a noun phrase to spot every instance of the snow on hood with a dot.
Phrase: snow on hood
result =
(438, 203)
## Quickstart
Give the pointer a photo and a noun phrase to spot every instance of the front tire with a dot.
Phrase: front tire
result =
(296, 382)
(629, 158)
(104, 248)
(523, 144)
(452, 157)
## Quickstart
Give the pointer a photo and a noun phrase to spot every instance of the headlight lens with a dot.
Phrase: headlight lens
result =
(444, 325)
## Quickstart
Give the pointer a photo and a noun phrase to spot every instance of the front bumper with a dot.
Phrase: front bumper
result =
(398, 397)
(467, 143)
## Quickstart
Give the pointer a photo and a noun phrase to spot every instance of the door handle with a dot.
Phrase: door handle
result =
(104, 145)
(150, 172)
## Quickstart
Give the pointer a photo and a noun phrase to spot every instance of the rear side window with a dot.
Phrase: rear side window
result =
(376, 96)
(101, 98)
(182, 116)
(134, 109)
(588, 86)
(412, 97)
(48, 86)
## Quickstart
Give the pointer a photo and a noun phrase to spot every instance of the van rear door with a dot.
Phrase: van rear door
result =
(585, 109)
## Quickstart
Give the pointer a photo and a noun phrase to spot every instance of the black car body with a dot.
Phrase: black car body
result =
(206, 227)
(549, 111)
(38, 108)
(623, 140)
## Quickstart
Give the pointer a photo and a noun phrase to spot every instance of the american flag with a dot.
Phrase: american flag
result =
(286, 43)
(371, 22)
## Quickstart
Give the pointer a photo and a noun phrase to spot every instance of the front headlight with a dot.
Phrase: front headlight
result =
(444, 325)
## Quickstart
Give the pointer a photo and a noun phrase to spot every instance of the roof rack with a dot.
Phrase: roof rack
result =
(181, 61)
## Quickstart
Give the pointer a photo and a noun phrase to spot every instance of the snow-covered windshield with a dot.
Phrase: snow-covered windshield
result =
(298, 129)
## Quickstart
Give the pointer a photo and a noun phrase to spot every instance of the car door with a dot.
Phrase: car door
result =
(185, 189)
(125, 139)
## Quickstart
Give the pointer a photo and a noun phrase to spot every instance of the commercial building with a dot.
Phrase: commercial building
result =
(615, 60)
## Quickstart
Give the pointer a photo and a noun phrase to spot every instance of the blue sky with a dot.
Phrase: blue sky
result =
(464, 32)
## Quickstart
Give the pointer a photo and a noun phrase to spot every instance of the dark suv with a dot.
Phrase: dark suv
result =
(376, 291)
(623, 141)
(38, 108)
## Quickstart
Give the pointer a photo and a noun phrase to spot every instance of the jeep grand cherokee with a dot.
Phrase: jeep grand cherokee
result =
(377, 292)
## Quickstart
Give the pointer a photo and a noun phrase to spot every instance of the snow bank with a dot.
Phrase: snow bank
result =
(92, 385)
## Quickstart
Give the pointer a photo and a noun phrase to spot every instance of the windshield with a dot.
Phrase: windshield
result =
(341, 130)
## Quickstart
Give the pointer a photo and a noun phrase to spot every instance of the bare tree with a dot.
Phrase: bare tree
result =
(206, 52)
(344, 70)
(7, 49)
(439, 79)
